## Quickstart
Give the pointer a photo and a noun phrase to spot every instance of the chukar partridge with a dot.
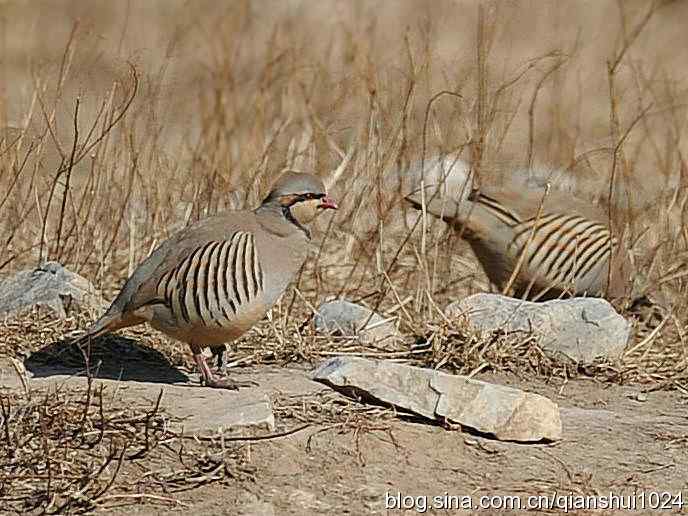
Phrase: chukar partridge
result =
(211, 282)
(559, 246)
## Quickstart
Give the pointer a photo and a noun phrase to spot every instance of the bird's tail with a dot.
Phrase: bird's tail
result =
(107, 323)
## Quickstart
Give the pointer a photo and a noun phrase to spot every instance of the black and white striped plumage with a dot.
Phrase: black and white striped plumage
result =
(215, 282)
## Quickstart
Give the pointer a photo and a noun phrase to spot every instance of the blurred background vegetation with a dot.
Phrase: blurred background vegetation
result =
(123, 121)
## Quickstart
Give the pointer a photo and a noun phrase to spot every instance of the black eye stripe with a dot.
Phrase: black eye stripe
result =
(310, 195)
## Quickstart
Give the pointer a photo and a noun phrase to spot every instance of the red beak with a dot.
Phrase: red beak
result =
(328, 203)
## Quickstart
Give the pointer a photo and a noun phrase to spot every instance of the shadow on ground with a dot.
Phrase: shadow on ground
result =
(111, 357)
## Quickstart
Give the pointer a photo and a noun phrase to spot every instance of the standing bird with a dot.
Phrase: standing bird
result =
(212, 281)
(551, 244)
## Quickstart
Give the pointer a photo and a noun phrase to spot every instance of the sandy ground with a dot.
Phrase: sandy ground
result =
(613, 443)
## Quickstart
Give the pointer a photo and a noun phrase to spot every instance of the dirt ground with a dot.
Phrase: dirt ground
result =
(617, 439)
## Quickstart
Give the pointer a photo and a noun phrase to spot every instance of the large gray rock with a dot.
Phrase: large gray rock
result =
(504, 412)
(49, 285)
(580, 329)
(350, 319)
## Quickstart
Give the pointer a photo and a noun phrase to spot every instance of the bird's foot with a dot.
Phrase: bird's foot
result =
(218, 382)
(227, 383)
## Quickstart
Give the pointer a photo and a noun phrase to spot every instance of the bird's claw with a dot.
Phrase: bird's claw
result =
(227, 383)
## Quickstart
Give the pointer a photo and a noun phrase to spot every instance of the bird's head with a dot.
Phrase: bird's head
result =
(301, 196)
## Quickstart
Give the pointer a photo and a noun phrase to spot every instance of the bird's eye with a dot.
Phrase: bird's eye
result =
(310, 195)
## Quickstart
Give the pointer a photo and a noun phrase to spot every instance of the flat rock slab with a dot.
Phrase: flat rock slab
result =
(205, 410)
(51, 286)
(350, 319)
(214, 410)
(202, 410)
(503, 412)
(579, 329)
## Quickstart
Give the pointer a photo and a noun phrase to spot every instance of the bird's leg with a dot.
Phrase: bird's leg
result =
(219, 353)
(203, 369)
(209, 379)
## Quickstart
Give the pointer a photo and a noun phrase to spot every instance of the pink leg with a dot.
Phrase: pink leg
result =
(209, 379)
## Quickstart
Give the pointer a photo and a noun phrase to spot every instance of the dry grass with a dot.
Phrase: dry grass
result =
(330, 412)
(129, 120)
(76, 450)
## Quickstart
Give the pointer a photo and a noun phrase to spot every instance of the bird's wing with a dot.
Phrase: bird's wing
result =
(141, 288)
(528, 202)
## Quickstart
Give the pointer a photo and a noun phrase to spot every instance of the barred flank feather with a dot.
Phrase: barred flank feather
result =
(213, 283)
(557, 248)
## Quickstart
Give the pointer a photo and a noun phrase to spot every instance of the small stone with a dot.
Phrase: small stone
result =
(50, 285)
(641, 396)
(250, 505)
(503, 412)
(257, 509)
(350, 319)
(580, 329)
(303, 499)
